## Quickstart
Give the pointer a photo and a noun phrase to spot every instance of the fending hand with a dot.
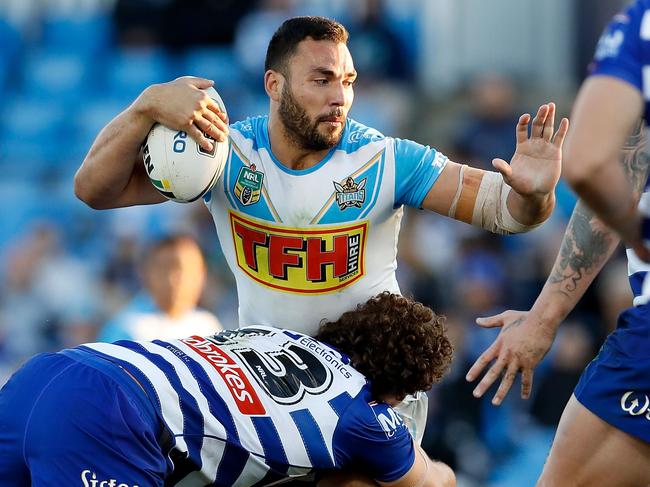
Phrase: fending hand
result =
(535, 167)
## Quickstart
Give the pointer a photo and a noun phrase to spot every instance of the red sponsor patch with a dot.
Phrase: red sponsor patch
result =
(232, 374)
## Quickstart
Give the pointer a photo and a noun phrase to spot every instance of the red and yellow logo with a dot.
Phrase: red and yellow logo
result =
(298, 260)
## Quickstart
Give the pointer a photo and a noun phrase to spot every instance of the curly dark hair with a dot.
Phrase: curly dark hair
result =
(397, 343)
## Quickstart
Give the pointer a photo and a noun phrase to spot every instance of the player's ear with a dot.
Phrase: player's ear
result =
(273, 82)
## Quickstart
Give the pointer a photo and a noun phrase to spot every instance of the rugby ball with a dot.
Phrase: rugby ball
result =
(178, 167)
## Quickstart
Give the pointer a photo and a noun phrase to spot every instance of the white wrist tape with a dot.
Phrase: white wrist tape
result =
(491, 207)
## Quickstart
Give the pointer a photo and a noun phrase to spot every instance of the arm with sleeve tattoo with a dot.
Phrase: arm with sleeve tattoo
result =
(588, 242)
(526, 337)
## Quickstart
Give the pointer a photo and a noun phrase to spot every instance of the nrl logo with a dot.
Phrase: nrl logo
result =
(350, 193)
(248, 187)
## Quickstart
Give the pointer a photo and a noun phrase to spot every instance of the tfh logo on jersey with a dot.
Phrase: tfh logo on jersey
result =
(302, 261)
(350, 194)
(248, 187)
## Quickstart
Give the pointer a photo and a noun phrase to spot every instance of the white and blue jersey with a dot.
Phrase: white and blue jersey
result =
(307, 245)
(242, 408)
(623, 52)
(616, 384)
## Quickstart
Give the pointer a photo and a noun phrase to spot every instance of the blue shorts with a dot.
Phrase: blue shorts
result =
(615, 386)
(65, 422)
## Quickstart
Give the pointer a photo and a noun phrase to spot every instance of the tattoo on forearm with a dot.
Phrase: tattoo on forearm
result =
(586, 244)
(587, 241)
(635, 160)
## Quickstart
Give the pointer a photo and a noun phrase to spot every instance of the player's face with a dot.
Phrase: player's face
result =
(317, 96)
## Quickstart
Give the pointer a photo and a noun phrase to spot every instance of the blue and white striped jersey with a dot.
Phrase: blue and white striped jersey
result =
(259, 404)
(624, 52)
(322, 239)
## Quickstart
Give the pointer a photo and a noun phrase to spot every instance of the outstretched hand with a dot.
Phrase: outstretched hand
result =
(521, 345)
(535, 167)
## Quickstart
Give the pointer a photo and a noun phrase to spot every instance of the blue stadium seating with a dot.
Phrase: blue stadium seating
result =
(51, 74)
(131, 70)
(218, 64)
(10, 46)
(84, 34)
(33, 137)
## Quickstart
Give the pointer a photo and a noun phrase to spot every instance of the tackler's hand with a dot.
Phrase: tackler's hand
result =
(521, 345)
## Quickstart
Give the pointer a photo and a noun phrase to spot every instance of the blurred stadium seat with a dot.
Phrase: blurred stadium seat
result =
(84, 34)
(10, 45)
(51, 74)
(130, 70)
(33, 136)
(216, 63)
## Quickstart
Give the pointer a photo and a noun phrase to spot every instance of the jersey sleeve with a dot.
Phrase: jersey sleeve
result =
(417, 168)
(374, 439)
(619, 50)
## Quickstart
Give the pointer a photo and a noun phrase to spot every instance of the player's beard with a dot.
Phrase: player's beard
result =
(303, 131)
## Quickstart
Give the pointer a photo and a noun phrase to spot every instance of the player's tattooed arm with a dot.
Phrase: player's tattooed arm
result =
(526, 336)
(588, 242)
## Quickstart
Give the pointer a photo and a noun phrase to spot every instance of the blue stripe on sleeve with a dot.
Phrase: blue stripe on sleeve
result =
(232, 465)
(192, 417)
(340, 403)
(417, 168)
(274, 454)
(636, 282)
(216, 404)
(313, 439)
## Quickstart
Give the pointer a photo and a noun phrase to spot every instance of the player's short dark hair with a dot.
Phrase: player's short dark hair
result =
(399, 344)
(285, 40)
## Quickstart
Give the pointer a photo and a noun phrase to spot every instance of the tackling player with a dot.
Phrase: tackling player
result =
(603, 438)
(310, 202)
(248, 407)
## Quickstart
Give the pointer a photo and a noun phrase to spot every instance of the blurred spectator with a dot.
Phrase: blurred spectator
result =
(590, 17)
(179, 24)
(488, 130)
(174, 274)
(51, 297)
(254, 32)
(120, 269)
(613, 293)
(453, 431)
(138, 22)
(377, 51)
(572, 351)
